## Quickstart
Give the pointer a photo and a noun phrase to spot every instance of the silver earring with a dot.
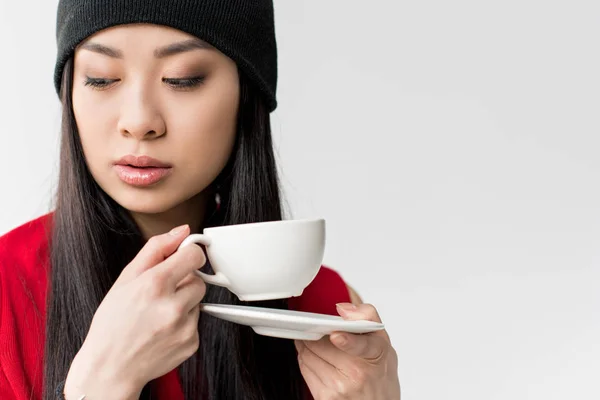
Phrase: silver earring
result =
(218, 200)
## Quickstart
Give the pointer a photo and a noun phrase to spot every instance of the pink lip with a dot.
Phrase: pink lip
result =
(141, 170)
(141, 176)
(142, 161)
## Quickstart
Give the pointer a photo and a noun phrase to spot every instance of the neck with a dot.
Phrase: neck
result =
(190, 212)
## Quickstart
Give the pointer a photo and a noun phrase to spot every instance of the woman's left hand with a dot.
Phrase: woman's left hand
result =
(349, 366)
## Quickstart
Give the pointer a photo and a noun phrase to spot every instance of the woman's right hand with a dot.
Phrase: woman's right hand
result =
(146, 325)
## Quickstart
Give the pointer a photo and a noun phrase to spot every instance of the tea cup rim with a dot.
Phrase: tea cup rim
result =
(300, 221)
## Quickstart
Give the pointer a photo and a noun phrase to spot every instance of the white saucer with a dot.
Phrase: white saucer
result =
(288, 324)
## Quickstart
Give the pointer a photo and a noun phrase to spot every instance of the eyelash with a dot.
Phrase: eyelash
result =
(184, 83)
(98, 83)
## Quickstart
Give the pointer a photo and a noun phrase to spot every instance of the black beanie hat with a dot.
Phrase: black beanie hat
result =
(243, 30)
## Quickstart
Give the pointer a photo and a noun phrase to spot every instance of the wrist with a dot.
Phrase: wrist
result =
(97, 380)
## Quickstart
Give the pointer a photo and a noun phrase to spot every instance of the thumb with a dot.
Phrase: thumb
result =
(156, 250)
(371, 347)
(358, 312)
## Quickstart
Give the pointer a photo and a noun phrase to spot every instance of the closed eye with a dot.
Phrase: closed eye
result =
(184, 83)
(176, 83)
(99, 83)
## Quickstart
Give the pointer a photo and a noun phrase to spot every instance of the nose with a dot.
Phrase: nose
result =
(140, 118)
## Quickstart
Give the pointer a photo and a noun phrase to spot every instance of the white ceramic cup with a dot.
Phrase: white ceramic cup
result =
(263, 260)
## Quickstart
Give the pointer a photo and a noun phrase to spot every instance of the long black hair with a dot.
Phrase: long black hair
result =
(94, 238)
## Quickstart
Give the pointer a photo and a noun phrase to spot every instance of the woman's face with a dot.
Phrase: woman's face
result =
(147, 90)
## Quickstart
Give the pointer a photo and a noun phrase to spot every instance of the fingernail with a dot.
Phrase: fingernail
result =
(176, 231)
(346, 306)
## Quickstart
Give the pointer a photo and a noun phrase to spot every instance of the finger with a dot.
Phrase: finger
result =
(327, 373)
(156, 250)
(187, 279)
(191, 294)
(370, 347)
(189, 333)
(315, 384)
(353, 312)
(195, 313)
(186, 260)
(190, 321)
(315, 380)
(361, 312)
(325, 349)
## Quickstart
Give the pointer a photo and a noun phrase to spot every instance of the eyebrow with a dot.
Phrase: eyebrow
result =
(101, 49)
(161, 52)
(181, 47)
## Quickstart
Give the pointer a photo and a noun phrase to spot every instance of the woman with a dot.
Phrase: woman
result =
(165, 131)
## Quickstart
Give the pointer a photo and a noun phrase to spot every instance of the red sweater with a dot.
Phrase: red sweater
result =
(24, 257)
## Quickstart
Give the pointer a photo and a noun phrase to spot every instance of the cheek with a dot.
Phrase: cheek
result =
(207, 136)
(93, 123)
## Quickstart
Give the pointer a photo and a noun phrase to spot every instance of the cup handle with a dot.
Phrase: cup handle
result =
(218, 278)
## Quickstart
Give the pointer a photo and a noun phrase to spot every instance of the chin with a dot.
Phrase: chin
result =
(146, 201)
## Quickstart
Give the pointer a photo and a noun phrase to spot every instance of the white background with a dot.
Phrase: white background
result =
(452, 147)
